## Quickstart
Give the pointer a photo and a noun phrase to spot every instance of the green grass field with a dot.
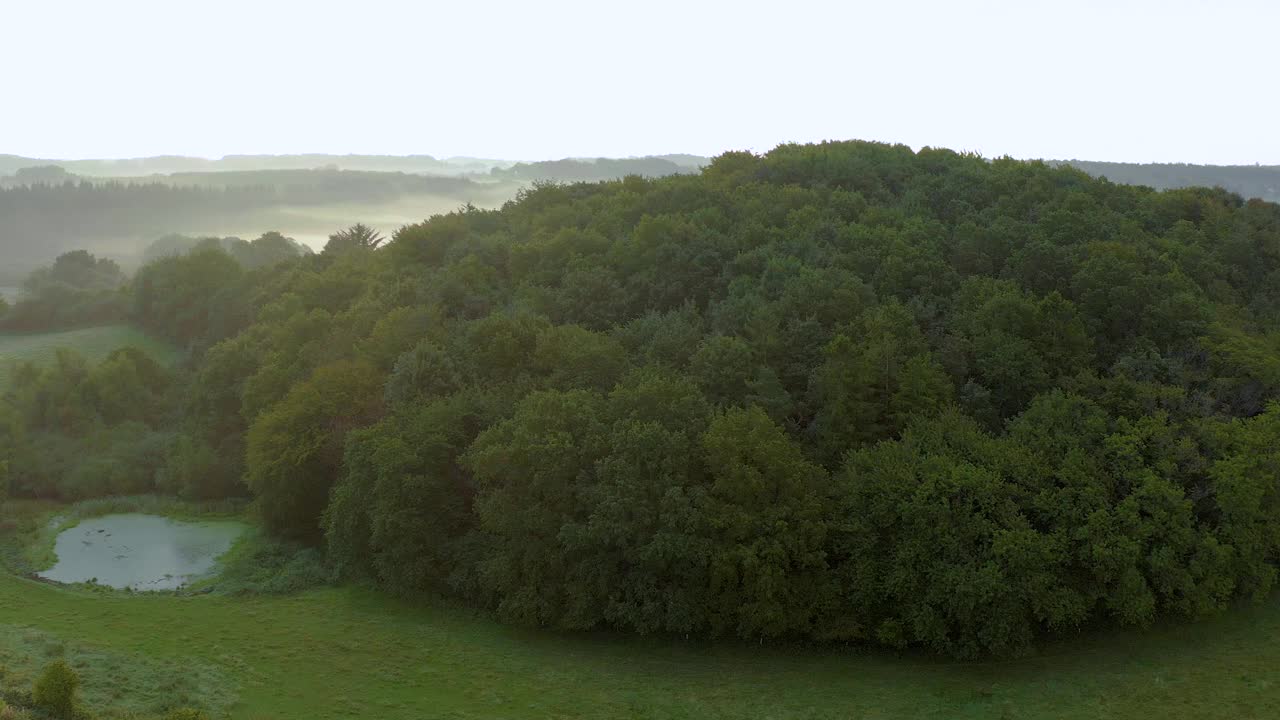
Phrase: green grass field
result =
(350, 653)
(94, 343)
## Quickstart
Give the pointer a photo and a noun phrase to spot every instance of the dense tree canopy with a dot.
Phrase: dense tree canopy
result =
(844, 392)
(268, 249)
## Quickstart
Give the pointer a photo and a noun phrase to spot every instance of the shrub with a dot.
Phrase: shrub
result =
(260, 565)
(55, 690)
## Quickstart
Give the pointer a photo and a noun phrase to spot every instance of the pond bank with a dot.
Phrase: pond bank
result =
(141, 552)
(29, 528)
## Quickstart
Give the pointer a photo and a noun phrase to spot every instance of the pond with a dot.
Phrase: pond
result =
(140, 552)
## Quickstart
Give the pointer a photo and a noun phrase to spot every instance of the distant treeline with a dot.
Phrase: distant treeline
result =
(836, 393)
(594, 170)
(79, 289)
(268, 187)
(1250, 181)
(322, 187)
(42, 219)
(422, 164)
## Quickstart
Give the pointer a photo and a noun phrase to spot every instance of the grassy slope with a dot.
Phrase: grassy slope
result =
(353, 653)
(94, 343)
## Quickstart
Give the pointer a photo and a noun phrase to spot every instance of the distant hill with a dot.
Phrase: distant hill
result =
(1249, 181)
(572, 169)
(595, 169)
(320, 186)
(1261, 181)
(45, 211)
(168, 164)
(692, 161)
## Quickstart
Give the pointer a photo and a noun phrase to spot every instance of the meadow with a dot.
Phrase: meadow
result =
(351, 652)
(95, 343)
(348, 652)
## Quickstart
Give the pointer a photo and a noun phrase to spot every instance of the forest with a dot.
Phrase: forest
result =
(836, 393)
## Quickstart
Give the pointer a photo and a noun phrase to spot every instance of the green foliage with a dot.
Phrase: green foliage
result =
(402, 504)
(873, 381)
(78, 269)
(358, 237)
(764, 527)
(527, 470)
(192, 469)
(78, 289)
(194, 299)
(295, 447)
(261, 565)
(1248, 500)
(267, 250)
(76, 430)
(55, 689)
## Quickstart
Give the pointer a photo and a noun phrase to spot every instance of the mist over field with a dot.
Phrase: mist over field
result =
(116, 208)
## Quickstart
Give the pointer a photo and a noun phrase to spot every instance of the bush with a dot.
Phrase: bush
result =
(259, 565)
(55, 690)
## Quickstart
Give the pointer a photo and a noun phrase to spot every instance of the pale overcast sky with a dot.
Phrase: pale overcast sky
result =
(1176, 80)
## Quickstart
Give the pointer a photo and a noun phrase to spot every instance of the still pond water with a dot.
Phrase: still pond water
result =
(141, 552)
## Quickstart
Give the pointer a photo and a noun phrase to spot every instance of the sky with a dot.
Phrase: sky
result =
(1124, 80)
